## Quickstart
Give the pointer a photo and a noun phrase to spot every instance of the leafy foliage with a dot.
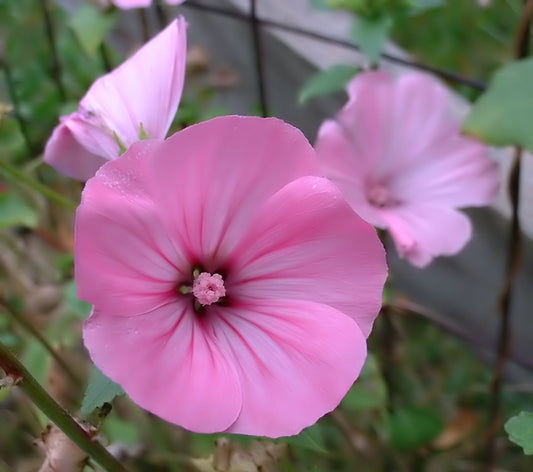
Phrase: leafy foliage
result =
(371, 34)
(90, 26)
(330, 80)
(520, 431)
(502, 116)
(99, 390)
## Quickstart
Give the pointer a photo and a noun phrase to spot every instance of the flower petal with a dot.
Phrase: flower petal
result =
(127, 4)
(138, 98)
(389, 121)
(169, 363)
(145, 90)
(456, 172)
(220, 172)
(341, 162)
(422, 232)
(65, 153)
(126, 262)
(296, 361)
(306, 243)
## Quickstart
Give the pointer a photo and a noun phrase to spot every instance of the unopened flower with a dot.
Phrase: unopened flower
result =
(402, 164)
(128, 4)
(233, 290)
(136, 100)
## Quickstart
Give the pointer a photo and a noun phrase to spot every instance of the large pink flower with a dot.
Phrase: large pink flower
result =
(401, 163)
(128, 4)
(138, 99)
(232, 289)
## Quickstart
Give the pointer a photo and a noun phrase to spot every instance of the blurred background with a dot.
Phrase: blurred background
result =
(426, 400)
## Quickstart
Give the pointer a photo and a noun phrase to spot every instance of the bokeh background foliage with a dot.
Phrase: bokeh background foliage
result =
(421, 402)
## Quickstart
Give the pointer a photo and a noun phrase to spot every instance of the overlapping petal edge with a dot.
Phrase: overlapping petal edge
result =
(140, 97)
(129, 4)
(303, 273)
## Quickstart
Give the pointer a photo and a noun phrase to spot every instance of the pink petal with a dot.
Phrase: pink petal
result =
(366, 115)
(126, 263)
(456, 172)
(389, 121)
(419, 118)
(342, 163)
(219, 172)
(422, 232)
(145, 90)
(307, 244)
(127, 4)
(64, 152)
(139, 97)
(169, 362)
(296, 360)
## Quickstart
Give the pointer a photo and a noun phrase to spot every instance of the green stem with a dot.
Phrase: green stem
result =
(13, 173)
(24, 380)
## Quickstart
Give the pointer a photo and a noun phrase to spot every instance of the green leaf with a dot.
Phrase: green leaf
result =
(319, 4)
(371, 34)
(410, 428)
(99, 390)
(330, 80)
(90, 26)
(14, 211)
(78, 307)
(520, 431)
(421, 6)
(502, 115)
(121, 431)
(310, 438)
(369, 391)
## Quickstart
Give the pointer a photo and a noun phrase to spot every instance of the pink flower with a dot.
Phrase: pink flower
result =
(233, 290)
(138, 99)
(401, 163)
(128, 4)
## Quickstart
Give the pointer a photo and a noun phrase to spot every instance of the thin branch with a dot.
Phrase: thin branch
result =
(104, 56)
(514, 259)
(388, 341)
(143, 18)
(21, 320)
(445, 74)
(25, 381)
(50, 34)
(18, 176)
(258, 57)
(11, 90)
(161, 14)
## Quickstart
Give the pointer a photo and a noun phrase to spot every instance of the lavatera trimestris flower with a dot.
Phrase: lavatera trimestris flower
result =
(233, 288)
(401, 162)
(135, 101)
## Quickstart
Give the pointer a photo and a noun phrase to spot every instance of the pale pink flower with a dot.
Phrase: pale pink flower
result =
(138, 99)
(233, 290)
(400, 161)
(128, 4)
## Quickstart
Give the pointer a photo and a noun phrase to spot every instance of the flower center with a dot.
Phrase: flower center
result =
(208, 288)
(378, 195)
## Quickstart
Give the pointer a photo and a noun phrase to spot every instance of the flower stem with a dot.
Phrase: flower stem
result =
(24, 380)
(15, 174)
(514, 261)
